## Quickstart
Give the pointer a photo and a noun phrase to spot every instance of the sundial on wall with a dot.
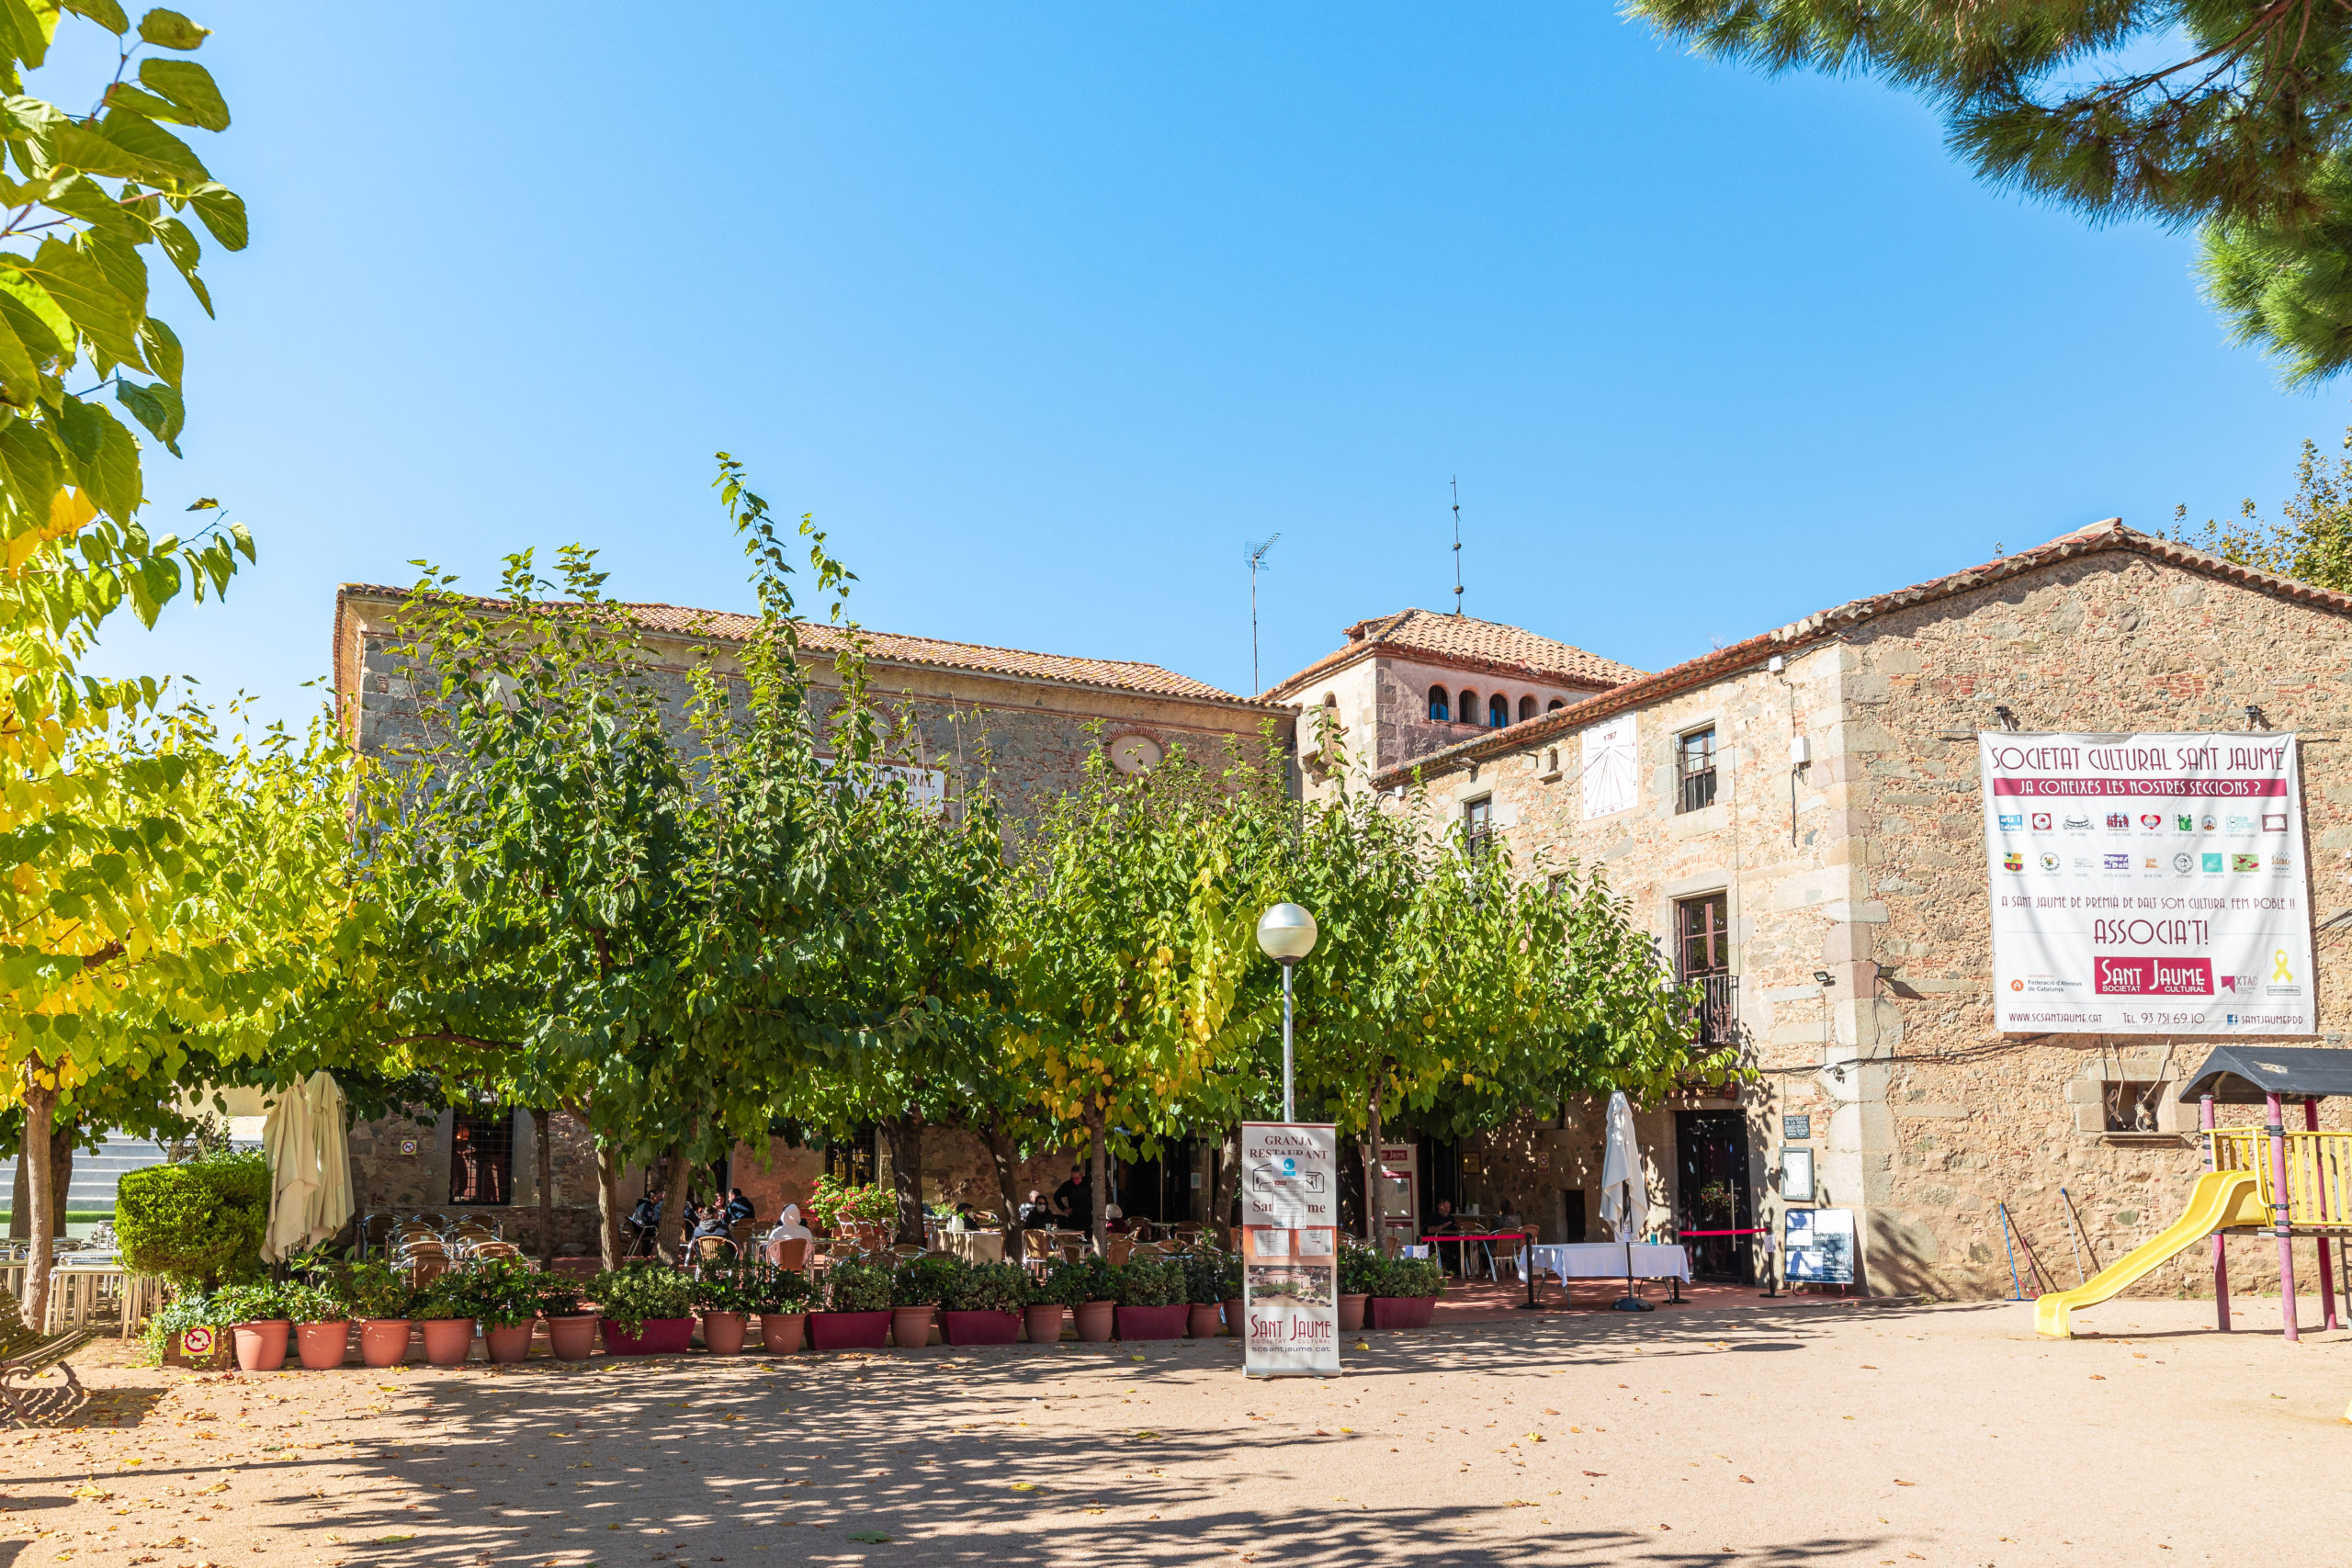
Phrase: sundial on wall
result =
(1133, 753)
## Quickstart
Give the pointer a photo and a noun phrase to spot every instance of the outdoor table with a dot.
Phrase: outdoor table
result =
(974, 1247)
(1488, 1238)
(1607, 1260)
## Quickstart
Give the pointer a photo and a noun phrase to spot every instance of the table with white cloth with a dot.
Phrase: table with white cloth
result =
(1606, 1260)
(974, 1247)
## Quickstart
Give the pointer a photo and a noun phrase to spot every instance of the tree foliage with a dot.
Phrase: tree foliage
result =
(2312, 543)
(2285, 285)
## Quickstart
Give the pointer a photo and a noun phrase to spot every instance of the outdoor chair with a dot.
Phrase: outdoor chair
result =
(904, 1250)
(789, 1254)
(1118, 1249)
(480, 1250)
(712, 1250)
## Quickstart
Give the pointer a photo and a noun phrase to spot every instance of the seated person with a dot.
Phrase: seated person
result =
(738, 1206)
(1037, 1215)
(1444, 1222)
(960, 1218)
(788, 1226)
(711, 1221)
(1115, 1220)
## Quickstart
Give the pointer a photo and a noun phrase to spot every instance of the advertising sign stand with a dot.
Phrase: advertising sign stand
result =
(1290, 1264)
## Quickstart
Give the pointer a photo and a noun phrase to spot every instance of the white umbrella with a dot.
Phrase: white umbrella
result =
(1624, 1193)
(310, 1171)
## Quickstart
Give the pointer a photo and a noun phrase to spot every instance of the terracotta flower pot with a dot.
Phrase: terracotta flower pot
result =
(723, 1333)
(911, 1326)
(656, 1337)
(1402, 1312)
(980, 1327)
(1043, 1323)
(783, 1333)
(1095, 1320)
(1236, 1317)
(1351, 1313)
(572, 1338)
(322, 1345)
(383, 1341)
(261, 1347)
(511, 1343)
(1153, 1323)
(849, 1330)
(1201, 1320)
(448, 1340)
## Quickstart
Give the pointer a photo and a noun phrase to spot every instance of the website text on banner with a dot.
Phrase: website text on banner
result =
(2147, 883)
(1290, 1265)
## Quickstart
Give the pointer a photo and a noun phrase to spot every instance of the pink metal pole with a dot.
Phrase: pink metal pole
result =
(2275, 1133)
(2221, 1249)
(2326, 1274)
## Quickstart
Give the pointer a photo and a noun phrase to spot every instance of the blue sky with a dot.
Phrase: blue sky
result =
(1045, 311)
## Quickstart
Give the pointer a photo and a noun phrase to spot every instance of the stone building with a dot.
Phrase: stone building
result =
(1795, 817)
(1029, 720)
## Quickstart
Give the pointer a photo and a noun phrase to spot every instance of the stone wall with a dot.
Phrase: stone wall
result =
(400, 1164)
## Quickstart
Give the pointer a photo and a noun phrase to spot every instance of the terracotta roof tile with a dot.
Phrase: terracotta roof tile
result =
(893, 648)
(1464, 640)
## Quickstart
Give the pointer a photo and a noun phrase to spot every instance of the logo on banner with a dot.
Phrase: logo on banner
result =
(2184, 861)
(2206, 821)
(2185, 822)
(2118, 862)
(2151, 820)
(2049, 863)
(2077, 824)
(2156, 978)
(2119, 822)
(2041, 821)
(2013, 860)
(2245, 863)
(2241, 824)
(2274, 822)
(2010, 824)
(2213, 862)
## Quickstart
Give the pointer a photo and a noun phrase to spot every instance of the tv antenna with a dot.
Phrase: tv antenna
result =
(1457, 544)
(1257, 564)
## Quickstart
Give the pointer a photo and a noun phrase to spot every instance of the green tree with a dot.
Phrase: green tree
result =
(2312, 543)
(2285, 284)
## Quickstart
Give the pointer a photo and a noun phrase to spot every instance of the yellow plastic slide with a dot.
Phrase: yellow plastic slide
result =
(2222, 1199)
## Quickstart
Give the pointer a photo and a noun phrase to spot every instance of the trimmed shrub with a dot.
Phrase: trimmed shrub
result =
(927, 1281)
(857, 1287)
(989, 1287)
(196, 1224)
(1150, 1282)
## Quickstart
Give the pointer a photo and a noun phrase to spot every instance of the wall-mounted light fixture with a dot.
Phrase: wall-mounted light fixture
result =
(1824, 977)
(2254, 717)
(2008, 720)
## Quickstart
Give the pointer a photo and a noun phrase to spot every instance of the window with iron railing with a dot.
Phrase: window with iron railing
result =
(1479, 825)
(1703, 957)
(1695, 769)
(481, 1159)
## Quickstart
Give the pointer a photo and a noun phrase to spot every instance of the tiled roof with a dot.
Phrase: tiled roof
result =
(2111, 535)
(1461, 640)
(892, 647)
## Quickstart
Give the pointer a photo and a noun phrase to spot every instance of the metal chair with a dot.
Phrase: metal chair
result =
(789, 1254)
(709, 1249)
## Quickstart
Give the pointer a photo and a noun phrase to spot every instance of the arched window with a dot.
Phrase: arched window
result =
(1469, 707)
(1498, 712)
(1330, 699)
(1439, 709)
(1526, 709)
(1554, 705)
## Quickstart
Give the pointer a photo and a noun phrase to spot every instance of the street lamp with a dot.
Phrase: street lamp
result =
(1286, 934)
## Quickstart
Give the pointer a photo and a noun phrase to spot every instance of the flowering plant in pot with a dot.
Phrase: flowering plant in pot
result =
(648, 1309)
(917, 1288)
(1407, 1292)
(445, 1310)
(379, 1298)
(322, 1325)
(857, 1309)
(726, 1307)
(1203, 1291)
(984, 1305)
(781, 1298)
(1360, 1267)
(572, 1321)
(504, 1295)
(190, 1331)
(260, 1317)
(1088, 1286)
(834, 1204)
(1150, 1293)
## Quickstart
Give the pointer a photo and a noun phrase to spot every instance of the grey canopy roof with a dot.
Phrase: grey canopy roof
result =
(2244, 1075)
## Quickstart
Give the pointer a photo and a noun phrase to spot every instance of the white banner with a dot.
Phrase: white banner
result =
(2147, 883)
(1290, 1261)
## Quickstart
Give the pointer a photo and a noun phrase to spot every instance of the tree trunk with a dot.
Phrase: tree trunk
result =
(668, 1243)
(1228, 1183)
(1098, 1170)
(609, 1213)
(61, 1175)
(20, 1203)
(40, 1116)
(1007, 1160)
(541, 1121)
(1373, 1197)
(905, 1134)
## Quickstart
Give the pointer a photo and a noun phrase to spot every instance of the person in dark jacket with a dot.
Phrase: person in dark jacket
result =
(738, 1206)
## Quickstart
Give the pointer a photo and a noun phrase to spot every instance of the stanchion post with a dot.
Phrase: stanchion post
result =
(2221, 1247)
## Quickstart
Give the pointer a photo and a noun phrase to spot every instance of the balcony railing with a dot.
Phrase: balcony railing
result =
(1718, 1008)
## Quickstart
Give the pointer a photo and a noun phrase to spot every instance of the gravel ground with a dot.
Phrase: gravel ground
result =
(1871, 1435)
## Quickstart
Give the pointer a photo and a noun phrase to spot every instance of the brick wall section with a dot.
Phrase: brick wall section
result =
(1871, 868)
(401, 1165)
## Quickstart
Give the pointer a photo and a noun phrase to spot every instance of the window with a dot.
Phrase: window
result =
(1468, 707)
(1702, 935)
(1526, 709)
(1555, 704)
(1441, 710)
(1498, 712)
(2131, 1107)
(1695, 768)
(1479, 825)
(481, 1159)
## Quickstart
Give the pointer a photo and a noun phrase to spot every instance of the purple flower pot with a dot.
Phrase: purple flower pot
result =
(1153, 1323)
(979, 1327)
(659, 1336)
(1401, 1311)
(849, 1330)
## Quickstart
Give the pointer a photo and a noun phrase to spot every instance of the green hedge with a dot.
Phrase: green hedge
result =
(197, 1225)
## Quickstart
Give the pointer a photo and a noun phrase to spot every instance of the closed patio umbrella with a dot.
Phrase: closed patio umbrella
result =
(1624, 1191)
(309, 1169)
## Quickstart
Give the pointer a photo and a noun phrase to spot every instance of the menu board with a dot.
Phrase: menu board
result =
(1290, 1259)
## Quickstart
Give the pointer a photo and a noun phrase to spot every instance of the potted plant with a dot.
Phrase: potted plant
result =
(1090, 1286)
(781, 1298)
(1360, 1270)
(445, 1310)
(1151, 1299)
(725, 1307)
(380, 1300)
(1237, 1312)
(1407, 1292)
(834, 1207)
(648, 1309)
(258, 1325)
(1051, 1299)
(504, 1294)
(322, 1325)
(984, 1305)
(572, 1327)
(191, 1332)
(857, 1309)
(1203, 1287)
(917, 1288)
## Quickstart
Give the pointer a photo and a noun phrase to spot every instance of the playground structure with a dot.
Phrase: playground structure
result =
(2264, 1180)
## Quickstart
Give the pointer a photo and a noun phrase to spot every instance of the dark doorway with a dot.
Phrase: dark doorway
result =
(852, 1159)
(1160, 1189)
(1711, 1191)
(1440, 1165)
(1572, 1220)
(481, 1159)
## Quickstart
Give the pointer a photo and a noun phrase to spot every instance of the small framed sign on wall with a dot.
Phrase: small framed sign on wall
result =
(1796, 1175)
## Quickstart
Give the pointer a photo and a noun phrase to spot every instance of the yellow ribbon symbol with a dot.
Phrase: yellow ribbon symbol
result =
(2279, 966)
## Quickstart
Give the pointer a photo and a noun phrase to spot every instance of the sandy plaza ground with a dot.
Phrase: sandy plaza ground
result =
(1765, 1434)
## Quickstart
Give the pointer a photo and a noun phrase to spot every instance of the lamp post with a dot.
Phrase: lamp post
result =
(1286, 934)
